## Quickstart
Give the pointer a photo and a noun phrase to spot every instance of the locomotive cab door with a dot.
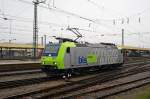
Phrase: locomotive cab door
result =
(67, 58)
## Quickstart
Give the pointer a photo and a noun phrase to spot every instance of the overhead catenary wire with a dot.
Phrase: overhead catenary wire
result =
(66, 12)
(16, 29)
(47, 23)
(30, 20)
(102, 7)
(122, 16)
(69, 13)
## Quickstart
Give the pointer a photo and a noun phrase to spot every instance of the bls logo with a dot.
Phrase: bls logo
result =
(82, 60)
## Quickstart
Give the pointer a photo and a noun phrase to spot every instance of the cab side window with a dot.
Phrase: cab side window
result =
(68, 50)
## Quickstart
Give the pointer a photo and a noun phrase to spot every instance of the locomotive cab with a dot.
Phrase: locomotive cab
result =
(52, 60)
(50, 54)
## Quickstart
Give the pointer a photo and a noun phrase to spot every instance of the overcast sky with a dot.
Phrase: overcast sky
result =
(98, 20)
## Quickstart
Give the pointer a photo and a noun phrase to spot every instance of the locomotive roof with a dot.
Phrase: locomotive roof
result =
(86, 44)
(106, 45)
(65, 39)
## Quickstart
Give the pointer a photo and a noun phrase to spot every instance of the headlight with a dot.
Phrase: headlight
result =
(54, 63)
(49, 55)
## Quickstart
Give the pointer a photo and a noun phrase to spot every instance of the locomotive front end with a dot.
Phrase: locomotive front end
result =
(53, 58)
(49, 60)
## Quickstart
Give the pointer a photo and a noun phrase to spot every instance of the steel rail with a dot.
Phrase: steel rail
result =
(23, 82)
(89, 82)
(62, 89)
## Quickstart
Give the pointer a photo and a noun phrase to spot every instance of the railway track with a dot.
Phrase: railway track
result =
(62, 92)
(10, 73)
(27, 77)
(114, 87)
(74, 84)
(21, 78)
(7, 67)
(19, 66)
(131, 59)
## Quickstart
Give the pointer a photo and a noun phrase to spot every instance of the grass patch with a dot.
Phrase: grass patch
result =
(143, 94)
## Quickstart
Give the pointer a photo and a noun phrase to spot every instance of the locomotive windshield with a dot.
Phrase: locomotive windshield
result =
(51, 50)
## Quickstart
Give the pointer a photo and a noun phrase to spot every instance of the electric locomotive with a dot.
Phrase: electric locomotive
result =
(69, 56)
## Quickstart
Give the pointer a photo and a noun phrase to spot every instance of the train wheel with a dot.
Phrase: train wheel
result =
(63, 76)
(67, 76)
